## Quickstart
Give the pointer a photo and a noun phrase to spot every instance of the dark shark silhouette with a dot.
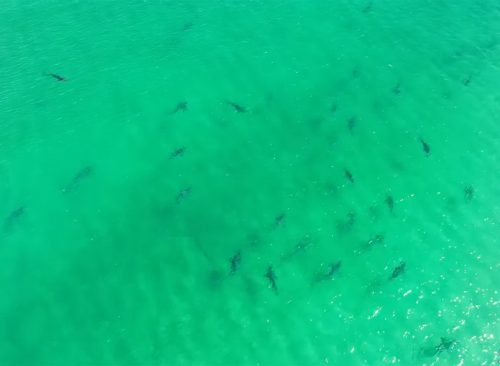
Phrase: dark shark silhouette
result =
(82, 174)
(351, 123)
(389, 200)
(397, 89)
(278, 220)
(301, 246)
(349, 176)
(377, 239)
(469, 193)
(271, 276)
(238, 108)
(425, 147)
(334, 108)
(347, 224)
(177, 152)
(328, 275)
(399, 270)
(367, 8)
(235, 262)
(445, 344)
(14, 217)
(55, 76)
(180, 107)
(182, 195)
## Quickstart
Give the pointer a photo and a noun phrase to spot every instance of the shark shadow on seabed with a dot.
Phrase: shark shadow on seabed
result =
(13, 218)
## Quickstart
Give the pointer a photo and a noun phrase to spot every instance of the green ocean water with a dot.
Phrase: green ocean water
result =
(190, 135)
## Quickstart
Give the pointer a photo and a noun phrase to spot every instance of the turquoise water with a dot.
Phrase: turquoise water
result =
(189, 137)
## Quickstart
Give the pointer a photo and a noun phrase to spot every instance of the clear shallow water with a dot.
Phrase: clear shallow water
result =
(114, 265)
